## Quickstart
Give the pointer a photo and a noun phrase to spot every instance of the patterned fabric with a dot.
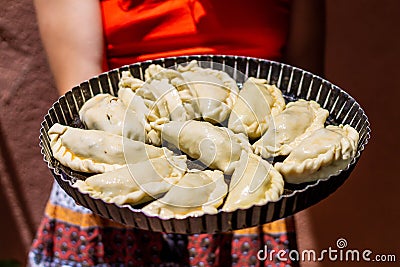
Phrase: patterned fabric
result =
(70, 235)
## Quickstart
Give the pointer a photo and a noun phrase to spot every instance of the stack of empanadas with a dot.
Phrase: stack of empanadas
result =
(137, 145)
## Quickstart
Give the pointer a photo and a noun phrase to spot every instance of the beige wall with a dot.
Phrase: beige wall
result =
(362, 55)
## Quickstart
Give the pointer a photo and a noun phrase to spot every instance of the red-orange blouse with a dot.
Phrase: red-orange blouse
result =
(138, 30)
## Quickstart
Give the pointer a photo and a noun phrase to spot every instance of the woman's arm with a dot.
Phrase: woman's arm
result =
(72, 36)
(306, 43)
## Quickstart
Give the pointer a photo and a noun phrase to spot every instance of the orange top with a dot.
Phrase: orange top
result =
(137, 30)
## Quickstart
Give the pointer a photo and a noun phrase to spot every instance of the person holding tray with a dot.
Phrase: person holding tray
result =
(85, 38)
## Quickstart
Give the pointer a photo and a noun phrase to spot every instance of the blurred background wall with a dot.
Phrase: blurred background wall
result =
(362, 56)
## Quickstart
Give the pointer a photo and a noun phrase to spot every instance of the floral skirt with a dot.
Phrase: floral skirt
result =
(71, 235)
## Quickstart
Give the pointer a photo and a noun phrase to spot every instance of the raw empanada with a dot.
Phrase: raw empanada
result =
(215, 90)
(254, 182)
(323, 153)
(216, 147)
(156, 109)
(135, 183)
(134, 102)
(290, 127)
(197, 193)
(137, 104)
(169, 87)
(252, 112)
(137, 95)
(97, 151)
(108, 113)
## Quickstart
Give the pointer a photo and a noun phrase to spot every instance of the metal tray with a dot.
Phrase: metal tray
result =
(294, 84)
